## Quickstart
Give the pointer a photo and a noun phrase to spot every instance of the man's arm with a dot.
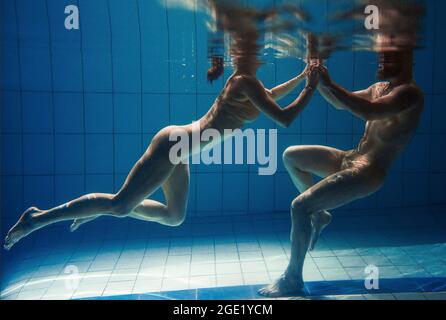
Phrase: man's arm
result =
(336, 95)
(339, 104)
(256, 93)
(361, 103)
(284, 89)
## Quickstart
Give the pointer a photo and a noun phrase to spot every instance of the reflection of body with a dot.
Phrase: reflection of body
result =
(241, 101)
(392, 111)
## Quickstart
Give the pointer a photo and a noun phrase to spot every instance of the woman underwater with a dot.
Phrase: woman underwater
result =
(241, 101)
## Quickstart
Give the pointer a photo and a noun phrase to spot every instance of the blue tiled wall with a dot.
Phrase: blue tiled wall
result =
(79, 107)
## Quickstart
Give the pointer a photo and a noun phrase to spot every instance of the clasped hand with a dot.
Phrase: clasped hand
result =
(315, 72)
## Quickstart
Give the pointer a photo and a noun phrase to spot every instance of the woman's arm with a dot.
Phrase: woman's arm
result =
(284, 89)
(256, 93)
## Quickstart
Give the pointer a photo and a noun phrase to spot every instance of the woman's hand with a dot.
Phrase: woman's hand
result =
(305, 72)
(313, 76)
(310, 64)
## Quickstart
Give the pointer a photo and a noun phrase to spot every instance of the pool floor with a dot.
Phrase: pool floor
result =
(230, 257)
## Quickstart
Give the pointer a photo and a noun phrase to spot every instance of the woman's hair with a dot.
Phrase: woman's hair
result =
(217, 68)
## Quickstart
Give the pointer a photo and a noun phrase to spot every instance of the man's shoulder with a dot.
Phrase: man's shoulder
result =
(411, 90)
(378, 89)
(379, 86)
(410, 96)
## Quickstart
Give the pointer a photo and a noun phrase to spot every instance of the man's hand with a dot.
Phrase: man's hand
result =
(324, 75)
(325, 86)
(311, 63)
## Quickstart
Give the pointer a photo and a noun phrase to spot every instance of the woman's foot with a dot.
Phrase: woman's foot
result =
(285, 286)
(21, 229)
(319, 222)
(78, 222)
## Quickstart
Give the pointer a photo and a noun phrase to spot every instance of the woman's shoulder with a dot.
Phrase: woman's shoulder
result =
(240, 81)
(236, 87)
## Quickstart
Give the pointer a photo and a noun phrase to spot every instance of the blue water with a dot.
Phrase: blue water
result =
(80, 106)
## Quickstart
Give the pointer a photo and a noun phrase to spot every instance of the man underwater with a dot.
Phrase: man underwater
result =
(392, 111)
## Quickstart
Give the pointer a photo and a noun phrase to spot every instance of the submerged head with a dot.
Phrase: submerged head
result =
(392, 64)
(395, 56)
(244, 61)
(246, 64)
(217, 68)
(241, 26)
(399, 34)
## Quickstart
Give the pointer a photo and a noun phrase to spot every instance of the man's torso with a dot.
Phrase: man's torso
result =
(384, 139)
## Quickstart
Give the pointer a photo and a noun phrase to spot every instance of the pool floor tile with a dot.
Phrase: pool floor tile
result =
(230, 265)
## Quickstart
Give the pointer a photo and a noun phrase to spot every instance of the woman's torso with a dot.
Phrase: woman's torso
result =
(231, 110)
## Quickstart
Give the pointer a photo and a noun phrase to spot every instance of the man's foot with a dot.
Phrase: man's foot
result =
(21, 229)
(285, 286)
(319, 222)
(78, 222)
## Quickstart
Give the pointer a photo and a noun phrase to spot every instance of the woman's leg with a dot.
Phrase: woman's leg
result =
(302, 162)
(176, 192)
(149, 173)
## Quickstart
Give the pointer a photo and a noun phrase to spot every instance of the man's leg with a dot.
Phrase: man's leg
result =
(302, 162)
(332, 192)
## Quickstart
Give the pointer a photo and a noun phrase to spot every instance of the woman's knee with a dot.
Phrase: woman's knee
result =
(121, 208)
(176, 218)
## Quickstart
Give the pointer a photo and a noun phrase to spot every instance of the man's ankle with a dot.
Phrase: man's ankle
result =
(293, 274)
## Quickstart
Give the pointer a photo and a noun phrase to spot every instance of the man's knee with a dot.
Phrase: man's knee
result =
(300, 207)
(293, 156)
(289, 154)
